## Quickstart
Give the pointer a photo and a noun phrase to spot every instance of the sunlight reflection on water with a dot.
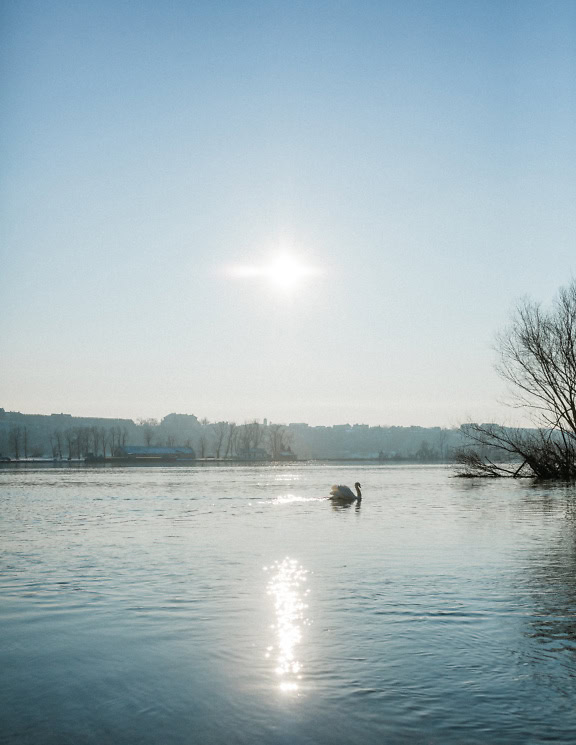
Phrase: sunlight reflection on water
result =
(290, 498)
(286, 477)
(286, 587)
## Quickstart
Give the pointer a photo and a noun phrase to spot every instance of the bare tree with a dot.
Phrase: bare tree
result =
(113, 439)
(104, 439)
(505, 451)
(82, 441)
(15, 440)
(442, 439)
(244, 437)
(122, 436)
(231, 441)
(188, 444)
(95, 440)
(69, 439)
(149, 427)
(537, 357)
(220, 430)
(59, 438)
(56, 443)
(256, 433)
(278, 440)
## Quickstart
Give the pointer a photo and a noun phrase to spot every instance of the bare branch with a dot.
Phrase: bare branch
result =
(537, 356)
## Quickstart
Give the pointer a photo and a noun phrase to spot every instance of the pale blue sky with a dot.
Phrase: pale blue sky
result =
(421, 155)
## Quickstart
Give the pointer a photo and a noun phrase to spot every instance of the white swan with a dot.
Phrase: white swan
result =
(344, 493)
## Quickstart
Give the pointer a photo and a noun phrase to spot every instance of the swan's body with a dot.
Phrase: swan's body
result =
(345, 494)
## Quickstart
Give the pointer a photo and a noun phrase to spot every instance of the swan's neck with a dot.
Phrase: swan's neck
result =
(358, 492)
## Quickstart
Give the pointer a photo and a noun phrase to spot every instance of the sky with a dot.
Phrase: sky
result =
(318, 211)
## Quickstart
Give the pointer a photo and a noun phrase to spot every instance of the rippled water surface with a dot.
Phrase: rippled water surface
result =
(237, 605)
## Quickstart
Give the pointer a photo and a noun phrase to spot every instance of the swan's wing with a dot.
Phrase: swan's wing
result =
(342, 491)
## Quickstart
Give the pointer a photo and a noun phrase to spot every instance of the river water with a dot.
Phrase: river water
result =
(212, 605)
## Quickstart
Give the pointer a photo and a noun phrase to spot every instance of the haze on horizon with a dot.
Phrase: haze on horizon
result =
(317, 212)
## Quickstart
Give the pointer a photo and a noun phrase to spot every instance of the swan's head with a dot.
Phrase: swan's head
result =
(357, 485)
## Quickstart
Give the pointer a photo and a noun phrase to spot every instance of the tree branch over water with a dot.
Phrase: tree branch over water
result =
(537, 356)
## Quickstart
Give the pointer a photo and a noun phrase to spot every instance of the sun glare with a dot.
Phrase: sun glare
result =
(284, 274)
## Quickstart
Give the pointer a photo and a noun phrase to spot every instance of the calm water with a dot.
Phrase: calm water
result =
(235, 605)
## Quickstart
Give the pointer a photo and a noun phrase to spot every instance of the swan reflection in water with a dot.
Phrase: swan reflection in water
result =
(287, 589)
(338, 506)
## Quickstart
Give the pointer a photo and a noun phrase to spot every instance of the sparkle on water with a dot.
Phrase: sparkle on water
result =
(286, 588)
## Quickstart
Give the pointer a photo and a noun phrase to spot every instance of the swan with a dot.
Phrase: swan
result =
(340, 491)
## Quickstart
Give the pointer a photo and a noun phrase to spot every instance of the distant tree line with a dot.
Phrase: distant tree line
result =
(221, 439)
(62, 436)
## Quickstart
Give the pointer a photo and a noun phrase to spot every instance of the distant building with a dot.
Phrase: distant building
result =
(253, 454)
(180, 420)
(141, 452)
(286, 455)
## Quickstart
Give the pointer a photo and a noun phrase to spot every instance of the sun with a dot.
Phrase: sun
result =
(284, 273)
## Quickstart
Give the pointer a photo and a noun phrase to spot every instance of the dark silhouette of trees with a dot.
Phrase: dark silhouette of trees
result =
(149, 430)
(70, 441)
(231, 439)
(255, 433)
(426, 453)
(219, 430)
(202, 445)
(48, 436)
(537, 357)
(116, 438)
(15, 440)
(278, 440)
(57, 444)
(244, 441)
